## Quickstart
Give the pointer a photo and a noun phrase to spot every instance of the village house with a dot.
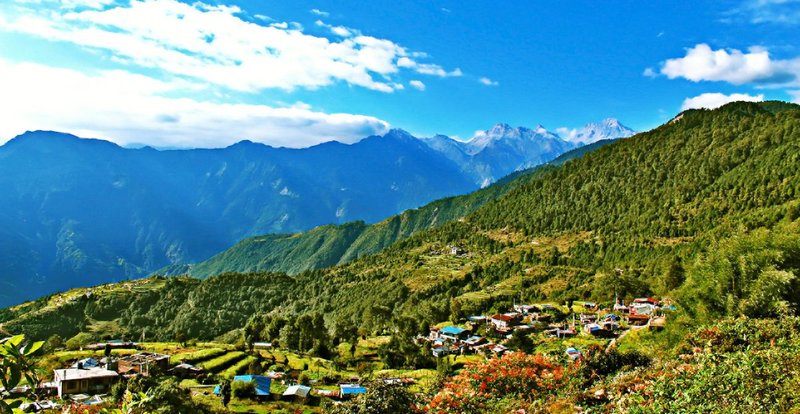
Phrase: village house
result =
(638, 320)
(94, 380)
(186, 371)
(526, 309)
(505, 321)
(651, 301)
(143, 363)
(642, 308)
(453, 333)
(350, 390)
(297, 393)
(474, 341)
(573, 353)
(85, 363)
(498, 349)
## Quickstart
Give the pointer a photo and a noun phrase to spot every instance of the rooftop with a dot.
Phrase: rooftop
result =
(452, 330)
(144, 357)
(298, 390)
(78, 374)
(504, 318)
(349, 389)
(262, 383)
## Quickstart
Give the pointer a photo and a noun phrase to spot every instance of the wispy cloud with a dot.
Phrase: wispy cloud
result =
(702, 63)
(214, 44)
(417, 84)
(319, 12)
(131, 108)
(488, 82)
(786, 12)
(715, 100)
(427, 68)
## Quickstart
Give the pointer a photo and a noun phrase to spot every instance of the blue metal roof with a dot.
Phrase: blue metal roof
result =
(452, 330)
(262, 383)
(352, 389)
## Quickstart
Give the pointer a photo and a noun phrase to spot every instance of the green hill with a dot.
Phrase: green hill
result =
(703, 209)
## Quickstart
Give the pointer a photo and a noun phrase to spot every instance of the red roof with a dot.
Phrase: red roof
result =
(504, 318)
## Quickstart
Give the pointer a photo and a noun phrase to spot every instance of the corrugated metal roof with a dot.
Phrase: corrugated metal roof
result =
(262, 383)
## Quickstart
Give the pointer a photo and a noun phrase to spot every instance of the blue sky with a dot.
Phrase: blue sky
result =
(295, 73)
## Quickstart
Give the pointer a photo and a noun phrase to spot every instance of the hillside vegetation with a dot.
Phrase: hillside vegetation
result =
(646, 215)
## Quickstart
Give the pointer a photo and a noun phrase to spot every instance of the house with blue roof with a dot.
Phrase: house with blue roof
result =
(350, 390)
(453, 333)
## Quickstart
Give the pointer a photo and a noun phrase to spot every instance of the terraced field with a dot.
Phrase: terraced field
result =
(222, 362)
(197, 357)
(239, 367)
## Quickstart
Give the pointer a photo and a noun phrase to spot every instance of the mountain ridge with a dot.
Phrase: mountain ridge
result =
(83, 211)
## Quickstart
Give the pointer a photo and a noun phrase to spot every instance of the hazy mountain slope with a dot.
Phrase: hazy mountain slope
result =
(331, 245)
(78, 212)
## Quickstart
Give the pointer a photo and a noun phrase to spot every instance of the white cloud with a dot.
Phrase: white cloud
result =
(649, 72)
(417, 84)
(488, 82)
(131, 108)
(214, 45)
(319, 12)
(715, 100)
(795, 96)
(337, 30)
(702, 63)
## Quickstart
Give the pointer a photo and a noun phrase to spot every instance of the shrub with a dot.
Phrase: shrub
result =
(243, 389)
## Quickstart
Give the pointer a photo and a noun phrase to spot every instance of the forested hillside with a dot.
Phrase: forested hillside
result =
(331, 245)
(703, 209)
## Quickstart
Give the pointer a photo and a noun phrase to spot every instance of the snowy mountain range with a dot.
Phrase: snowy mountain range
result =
(492, 154)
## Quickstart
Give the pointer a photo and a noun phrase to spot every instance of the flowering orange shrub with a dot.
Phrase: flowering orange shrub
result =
(515, 376)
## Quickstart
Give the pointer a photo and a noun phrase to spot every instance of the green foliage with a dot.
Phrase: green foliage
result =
(78, 341)
(749, 366)
(16, 364)
(243, 389)
(750, 273)
(402, 351)
(225, 391)
(380, 398)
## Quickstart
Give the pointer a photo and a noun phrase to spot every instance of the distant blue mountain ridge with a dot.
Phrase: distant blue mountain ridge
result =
(78, 212)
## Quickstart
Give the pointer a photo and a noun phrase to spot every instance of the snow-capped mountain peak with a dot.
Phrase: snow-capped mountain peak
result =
(609, 128)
